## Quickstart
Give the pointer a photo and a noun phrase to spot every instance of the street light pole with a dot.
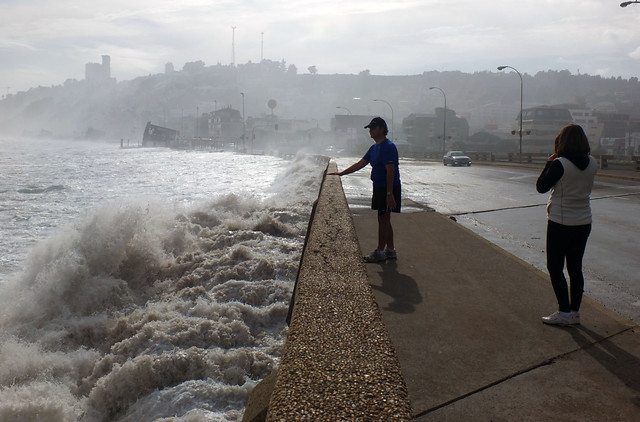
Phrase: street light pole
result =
(244, 126)
(627, 3)
(348, 111)
(520, 132)
(444, 120)
(391, 115)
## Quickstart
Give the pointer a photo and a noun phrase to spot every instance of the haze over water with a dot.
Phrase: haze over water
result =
(144, 284)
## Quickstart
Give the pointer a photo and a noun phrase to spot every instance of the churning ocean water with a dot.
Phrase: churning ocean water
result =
(144, 284)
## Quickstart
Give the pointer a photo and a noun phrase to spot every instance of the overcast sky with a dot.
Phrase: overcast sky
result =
(45, 42)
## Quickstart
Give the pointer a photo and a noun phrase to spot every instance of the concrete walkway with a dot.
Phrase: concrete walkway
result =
(464, 318)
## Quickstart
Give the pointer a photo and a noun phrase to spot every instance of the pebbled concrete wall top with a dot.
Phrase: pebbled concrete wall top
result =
(338, 362)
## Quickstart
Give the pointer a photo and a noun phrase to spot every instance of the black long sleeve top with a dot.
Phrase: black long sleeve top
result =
(552, 172)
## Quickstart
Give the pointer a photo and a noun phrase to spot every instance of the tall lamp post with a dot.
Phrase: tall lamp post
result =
(244, 126)
(344, 108)
(391, 115)
(520, 131)
(444, 120)
(627, 3)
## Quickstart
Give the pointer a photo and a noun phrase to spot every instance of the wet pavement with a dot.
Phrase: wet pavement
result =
(500, 203)
(464, 319)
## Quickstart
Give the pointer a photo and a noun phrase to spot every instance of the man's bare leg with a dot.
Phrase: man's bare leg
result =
(385, 231)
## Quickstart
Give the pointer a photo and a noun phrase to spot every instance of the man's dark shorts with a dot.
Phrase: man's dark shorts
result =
(379, 199)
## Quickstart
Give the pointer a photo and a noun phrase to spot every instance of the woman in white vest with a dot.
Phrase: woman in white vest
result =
(569, 174)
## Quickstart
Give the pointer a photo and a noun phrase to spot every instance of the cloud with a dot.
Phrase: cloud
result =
(15, 45)
(635, 54)
(404, 37)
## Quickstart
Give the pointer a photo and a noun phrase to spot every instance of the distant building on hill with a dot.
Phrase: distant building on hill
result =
(616, 134)
(425, 131)
(98, 72)
(350, 131)
(607, 131)
(222, 124)
(540, 125)
(588, 120)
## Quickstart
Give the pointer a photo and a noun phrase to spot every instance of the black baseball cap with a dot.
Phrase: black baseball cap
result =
(376, 122)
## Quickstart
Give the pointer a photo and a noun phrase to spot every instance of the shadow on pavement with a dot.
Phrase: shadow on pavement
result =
(614, 358)
(402, 288)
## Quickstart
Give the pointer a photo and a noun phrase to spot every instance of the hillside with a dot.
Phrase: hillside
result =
(117, 110)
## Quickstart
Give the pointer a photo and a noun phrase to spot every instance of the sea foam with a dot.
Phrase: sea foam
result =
(143, 311)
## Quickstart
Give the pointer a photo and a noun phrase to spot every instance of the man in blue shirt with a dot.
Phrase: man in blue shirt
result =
(387, 190)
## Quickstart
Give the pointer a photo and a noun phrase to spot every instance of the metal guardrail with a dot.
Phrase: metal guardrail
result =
(607, 161)
(604, 161)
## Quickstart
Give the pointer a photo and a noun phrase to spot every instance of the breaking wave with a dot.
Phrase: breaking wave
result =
(138, 312)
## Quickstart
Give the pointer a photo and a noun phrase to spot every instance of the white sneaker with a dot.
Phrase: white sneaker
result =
(391, 253)
(561, 318)
(574, 318)
(376, 256)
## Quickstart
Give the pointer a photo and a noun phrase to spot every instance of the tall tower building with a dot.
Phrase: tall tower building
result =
(96, 72)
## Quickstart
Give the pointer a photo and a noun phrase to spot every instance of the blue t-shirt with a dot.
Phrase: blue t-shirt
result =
(379, 155)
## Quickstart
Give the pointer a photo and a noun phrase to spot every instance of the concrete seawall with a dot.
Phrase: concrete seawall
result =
(338, 362)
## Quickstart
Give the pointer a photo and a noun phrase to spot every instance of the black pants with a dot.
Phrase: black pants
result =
(566, 242)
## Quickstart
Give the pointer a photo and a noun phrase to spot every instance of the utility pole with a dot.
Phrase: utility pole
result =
(444, 119)
(520, 119)
(261, 47)
(244, 125)
(233, 46)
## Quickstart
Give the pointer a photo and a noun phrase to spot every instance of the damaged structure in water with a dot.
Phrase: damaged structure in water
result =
(158, 136)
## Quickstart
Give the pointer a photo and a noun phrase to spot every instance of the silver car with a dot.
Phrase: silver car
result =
(456, 158)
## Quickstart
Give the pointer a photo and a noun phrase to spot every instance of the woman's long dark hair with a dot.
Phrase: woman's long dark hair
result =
(571, 140)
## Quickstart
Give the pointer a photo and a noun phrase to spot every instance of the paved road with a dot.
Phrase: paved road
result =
(501, 204)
